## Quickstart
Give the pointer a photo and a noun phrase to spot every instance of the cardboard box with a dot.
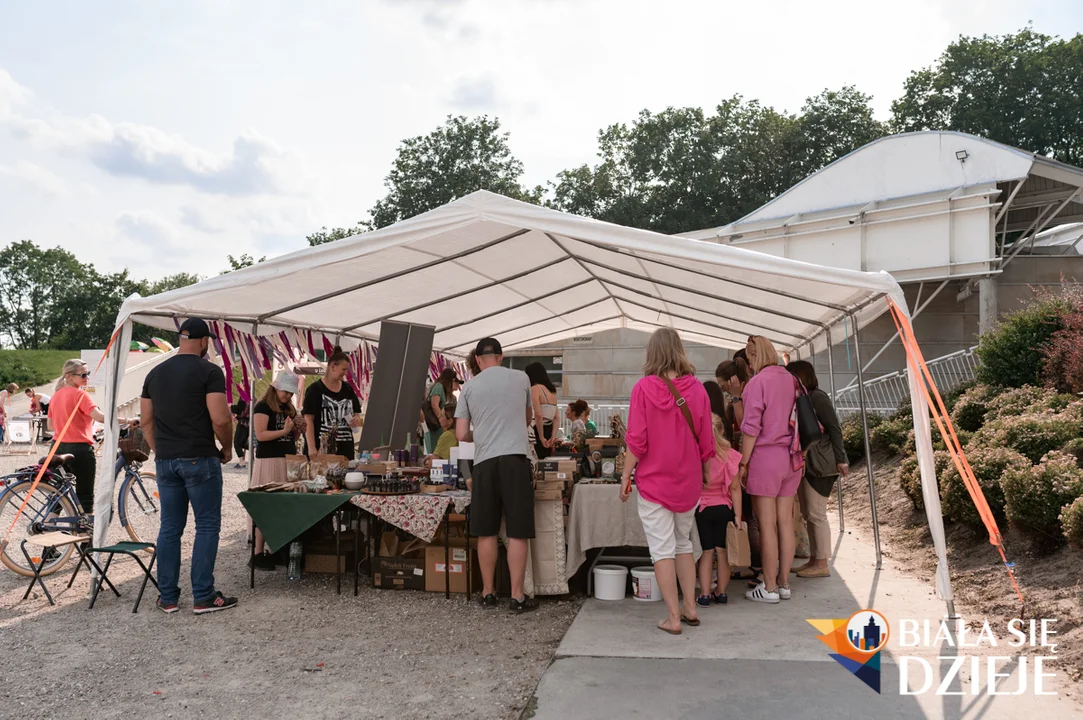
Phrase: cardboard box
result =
(566, 478)
(549, 491)
(328, 562)
(398, 573)
(435, 564)
(566, 465)
(599, 443)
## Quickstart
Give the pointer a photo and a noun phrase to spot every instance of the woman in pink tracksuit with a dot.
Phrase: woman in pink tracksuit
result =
(771, 465)
(670, 461)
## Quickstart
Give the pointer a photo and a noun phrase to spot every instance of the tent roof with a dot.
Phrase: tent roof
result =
(486, 265)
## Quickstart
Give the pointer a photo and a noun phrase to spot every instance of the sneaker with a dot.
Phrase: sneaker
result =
(217, 602)
(721, 598)
(167, 608)
(488, 602)
(263, 561)
(704, 601)
(784, 592)
(761, 594)
(519, 607)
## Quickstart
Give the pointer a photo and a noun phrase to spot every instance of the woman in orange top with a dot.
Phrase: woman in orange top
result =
(78, 440)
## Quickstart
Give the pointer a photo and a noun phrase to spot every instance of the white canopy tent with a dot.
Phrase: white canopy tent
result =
(486, 265)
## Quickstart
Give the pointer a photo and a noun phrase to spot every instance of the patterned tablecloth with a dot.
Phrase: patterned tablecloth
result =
(420, 514)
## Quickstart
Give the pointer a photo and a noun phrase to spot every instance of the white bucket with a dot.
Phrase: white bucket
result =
(644, 585)
(610, 581)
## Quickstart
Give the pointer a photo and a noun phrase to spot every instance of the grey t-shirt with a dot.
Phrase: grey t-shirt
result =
(495, 402)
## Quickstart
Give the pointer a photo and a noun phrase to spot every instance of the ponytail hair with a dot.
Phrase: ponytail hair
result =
(337, 356)
(722, 444)
(70, 367)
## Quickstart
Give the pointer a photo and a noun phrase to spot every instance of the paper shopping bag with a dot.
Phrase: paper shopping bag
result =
(737, 548)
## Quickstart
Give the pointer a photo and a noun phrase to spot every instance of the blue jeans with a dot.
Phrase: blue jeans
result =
(197, 481)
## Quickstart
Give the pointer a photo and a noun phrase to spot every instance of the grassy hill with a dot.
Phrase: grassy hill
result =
(29, 368)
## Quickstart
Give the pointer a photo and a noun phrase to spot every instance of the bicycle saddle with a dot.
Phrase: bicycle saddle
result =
(58, 460)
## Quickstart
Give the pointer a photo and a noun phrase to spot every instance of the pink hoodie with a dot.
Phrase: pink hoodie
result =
(670, 465)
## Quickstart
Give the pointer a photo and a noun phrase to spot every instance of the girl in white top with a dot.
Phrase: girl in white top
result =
(543, 398)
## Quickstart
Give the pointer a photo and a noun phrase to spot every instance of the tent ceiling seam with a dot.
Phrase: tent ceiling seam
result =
(786, 343)
(520, 343)
(535, 322)
(564, 289)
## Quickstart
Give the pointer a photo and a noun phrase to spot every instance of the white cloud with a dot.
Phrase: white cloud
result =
(474, 94)
(12, 94)
(146, 226)
(29, 176)
(195, 219)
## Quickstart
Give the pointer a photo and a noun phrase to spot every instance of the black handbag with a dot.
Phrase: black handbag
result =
(808, 424)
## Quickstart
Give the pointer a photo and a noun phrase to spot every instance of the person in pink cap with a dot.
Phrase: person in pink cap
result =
(671, 453)
(771, 464)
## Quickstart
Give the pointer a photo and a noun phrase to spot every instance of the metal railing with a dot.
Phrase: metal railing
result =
(884, 394)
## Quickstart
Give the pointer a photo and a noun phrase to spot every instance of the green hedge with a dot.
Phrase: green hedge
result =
(1034, 498)
(1011, 353)
(910, 476)
(31, 368)
(1033, 435)
(988, 465)
(1071, 519)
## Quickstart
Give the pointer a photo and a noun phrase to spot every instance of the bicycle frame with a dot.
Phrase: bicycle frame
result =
(42, 520)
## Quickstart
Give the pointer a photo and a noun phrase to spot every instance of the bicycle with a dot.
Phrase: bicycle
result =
(54, 505)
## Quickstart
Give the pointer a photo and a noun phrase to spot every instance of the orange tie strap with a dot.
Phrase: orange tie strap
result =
(941, 417)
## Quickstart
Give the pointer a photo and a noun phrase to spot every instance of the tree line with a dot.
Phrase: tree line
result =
(676, 170)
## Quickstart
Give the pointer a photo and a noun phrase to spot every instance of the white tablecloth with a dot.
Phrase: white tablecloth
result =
(597, 518)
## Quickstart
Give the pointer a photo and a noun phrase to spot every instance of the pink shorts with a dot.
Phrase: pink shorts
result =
(771, 473)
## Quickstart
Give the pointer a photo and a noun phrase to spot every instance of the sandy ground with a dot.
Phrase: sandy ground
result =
(290, 649)
(1052, 585)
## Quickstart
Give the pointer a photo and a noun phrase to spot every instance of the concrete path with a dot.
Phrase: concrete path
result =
(760, 661)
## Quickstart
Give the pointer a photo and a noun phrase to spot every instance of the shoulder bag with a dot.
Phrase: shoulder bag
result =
(808, 424)
(683, 406)
(432, 423)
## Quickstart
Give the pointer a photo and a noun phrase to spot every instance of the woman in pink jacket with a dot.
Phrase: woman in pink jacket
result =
(670, 460)
(771, 465)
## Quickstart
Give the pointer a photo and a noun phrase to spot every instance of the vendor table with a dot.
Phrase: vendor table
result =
(598, 519)
(284, 516)
(421, 515)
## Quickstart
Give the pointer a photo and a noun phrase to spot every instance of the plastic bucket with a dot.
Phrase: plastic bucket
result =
(644, 585)
(610, 582)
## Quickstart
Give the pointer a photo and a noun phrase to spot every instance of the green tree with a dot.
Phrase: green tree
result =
(1024, 89)
(683, 169)
(237, 263)
(31, 280)
(169, 282)
(84, 314)
(323, 235)
(457, 158)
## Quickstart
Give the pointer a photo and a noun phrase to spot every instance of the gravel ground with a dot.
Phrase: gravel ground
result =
(289, 649)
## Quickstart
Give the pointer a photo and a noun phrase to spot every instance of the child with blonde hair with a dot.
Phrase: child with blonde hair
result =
(719, 505)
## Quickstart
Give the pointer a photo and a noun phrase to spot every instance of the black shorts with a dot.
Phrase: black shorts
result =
(502, 486)
(711, 523)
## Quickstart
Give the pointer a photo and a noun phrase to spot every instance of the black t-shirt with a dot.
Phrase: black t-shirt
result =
(182, 424)
(331, 409)
(281, 447)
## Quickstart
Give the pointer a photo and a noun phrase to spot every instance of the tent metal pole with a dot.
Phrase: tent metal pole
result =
(517, 343)
(463, 293)
(532, 322)
(831, 376)
(486, 316)
(251, 424)
(680, 330)
(619, 300)
(691, 307)
(868, 450)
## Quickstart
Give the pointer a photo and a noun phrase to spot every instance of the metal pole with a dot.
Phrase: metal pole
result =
(868, 450)
(251, 426)
(831, 375)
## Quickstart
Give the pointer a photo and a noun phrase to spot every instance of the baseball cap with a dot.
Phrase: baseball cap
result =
(488, 346)
(194, 329)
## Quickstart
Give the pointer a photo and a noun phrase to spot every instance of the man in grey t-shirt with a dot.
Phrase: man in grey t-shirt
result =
(497, 403)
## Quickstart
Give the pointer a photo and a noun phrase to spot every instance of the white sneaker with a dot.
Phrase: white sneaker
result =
(784, 592)
(761, 594)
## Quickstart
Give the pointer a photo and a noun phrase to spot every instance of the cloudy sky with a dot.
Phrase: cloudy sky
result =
(161, 136)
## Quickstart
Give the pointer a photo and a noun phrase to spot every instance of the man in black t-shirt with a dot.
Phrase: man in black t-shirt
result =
(331, 407)
(184, 409)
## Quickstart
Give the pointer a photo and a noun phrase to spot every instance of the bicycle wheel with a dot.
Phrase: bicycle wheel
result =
(140, 508)
(41, 503)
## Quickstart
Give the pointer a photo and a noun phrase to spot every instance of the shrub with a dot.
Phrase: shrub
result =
(1032, 435)
(1034, 497)
(1062, 354)
(30, 368)
(853, 436)
(890, 436)
(910, 477)
(910, 446)
(1011, 353)
(1074, 447)
(1071, 519)
(1026, 399)
(971, 407)
(988, 464)
(951, 397)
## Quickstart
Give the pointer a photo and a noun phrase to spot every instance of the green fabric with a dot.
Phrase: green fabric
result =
(444, 445)
(283, 516)
(125, 546)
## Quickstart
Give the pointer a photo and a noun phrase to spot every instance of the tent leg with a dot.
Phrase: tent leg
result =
(831, 376)
(868, 450)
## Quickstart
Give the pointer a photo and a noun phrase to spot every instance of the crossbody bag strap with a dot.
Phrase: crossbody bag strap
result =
(681, 404)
